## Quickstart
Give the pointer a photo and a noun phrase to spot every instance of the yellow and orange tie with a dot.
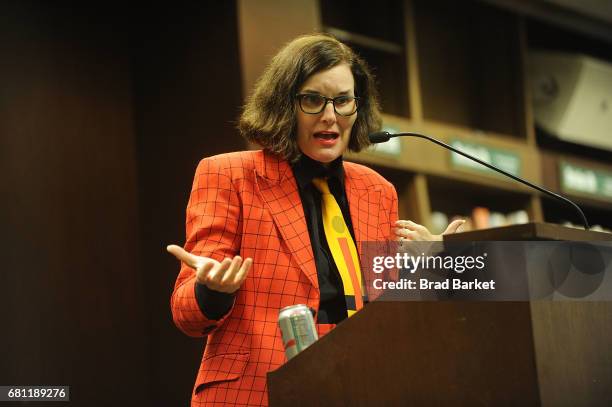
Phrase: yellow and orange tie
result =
(342, 247)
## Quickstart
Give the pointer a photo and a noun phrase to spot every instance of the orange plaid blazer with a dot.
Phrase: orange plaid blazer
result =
(248, 203)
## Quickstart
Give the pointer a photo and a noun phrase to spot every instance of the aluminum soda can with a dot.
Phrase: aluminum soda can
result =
(297, 329)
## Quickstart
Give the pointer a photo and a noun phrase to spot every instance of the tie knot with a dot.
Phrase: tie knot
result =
(321, 185)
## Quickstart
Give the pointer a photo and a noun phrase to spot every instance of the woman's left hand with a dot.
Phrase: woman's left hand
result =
(408, 230)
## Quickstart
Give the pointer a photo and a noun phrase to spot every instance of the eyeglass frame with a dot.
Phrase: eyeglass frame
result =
(327, 100)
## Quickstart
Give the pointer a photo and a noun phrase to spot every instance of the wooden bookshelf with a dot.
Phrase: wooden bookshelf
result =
(467, 86)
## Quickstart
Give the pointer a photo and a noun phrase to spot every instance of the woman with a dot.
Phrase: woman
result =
(256, 234)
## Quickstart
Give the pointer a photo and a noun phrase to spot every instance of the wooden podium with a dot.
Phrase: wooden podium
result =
(460, 353)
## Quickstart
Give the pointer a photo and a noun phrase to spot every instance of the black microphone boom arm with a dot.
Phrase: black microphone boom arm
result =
(382, 136)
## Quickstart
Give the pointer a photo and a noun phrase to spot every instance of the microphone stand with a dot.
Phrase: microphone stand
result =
(383, 136)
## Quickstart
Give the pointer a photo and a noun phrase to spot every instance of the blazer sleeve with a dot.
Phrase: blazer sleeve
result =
(213, 225)
(393, 217)
(391, 195)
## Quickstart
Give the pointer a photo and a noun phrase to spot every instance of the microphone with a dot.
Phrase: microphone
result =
(382, 136)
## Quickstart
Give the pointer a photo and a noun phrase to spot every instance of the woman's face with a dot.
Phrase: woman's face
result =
(325, 136)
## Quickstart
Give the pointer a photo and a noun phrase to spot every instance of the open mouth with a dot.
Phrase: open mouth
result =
(326, 135)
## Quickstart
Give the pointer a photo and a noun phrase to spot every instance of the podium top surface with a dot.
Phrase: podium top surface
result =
(529, 231)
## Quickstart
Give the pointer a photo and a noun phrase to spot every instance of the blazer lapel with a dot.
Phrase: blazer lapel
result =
(364, 205)
(278, 189)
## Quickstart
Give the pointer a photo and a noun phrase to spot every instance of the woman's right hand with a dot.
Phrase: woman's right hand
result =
(226, 276)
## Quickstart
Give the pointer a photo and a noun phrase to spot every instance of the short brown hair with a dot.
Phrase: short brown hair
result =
(269, 116)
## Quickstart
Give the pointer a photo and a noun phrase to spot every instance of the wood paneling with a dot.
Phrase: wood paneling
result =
(73, 299)
(105, 112)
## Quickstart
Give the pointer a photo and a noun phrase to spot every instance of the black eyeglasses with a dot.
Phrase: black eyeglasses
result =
(311, 103)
